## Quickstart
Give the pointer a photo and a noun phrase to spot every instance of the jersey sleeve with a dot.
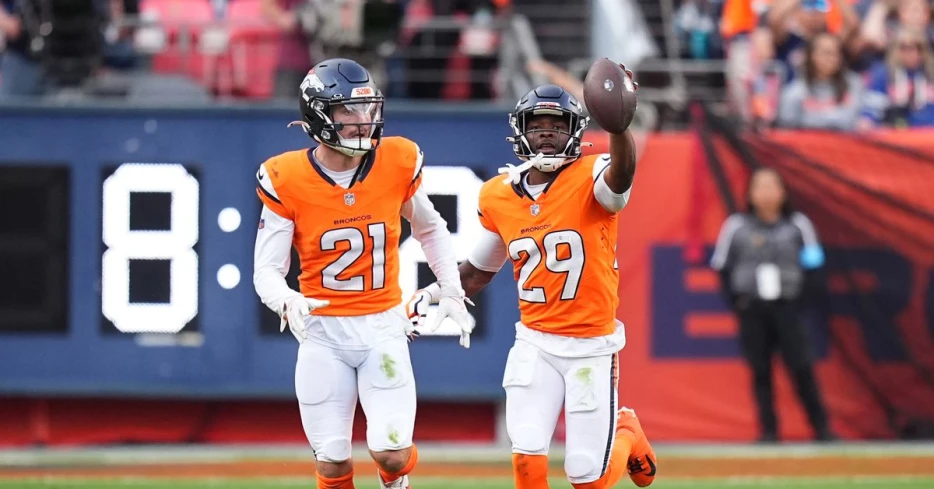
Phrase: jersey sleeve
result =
(490, 252)
(267, 193)
(272, 258)
(482, 210)
(416, 181)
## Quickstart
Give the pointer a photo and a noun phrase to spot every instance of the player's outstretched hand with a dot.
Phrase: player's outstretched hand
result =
(294, 311)
(456, 309)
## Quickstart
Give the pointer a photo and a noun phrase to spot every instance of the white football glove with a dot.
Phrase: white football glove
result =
(453, 307)
(294, 311)
(456, 309)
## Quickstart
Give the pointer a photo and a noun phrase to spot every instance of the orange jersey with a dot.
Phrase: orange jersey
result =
(347, 239)
(563, 249)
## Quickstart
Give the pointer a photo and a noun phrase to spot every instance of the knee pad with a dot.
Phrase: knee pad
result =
(528, 439)
(581, 467)
(335, 450)
(395, 433)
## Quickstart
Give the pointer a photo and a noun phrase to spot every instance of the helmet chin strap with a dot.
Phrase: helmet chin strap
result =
(551, 163)
(363, 146)
(514, 173)
(541, 162)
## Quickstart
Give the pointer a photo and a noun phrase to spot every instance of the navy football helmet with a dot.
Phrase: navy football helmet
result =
(548, 100)
(338, 93)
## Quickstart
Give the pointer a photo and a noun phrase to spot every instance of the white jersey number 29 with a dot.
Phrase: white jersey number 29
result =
(571, 264)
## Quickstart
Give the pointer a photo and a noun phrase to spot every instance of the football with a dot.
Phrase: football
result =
(610, 96)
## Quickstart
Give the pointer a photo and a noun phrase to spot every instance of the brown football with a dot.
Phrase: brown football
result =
(610, 96)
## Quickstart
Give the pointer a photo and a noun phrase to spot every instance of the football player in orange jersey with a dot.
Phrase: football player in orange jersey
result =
(555, 216)
(339, 204)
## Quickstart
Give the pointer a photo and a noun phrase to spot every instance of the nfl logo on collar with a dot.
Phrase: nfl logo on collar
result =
(349, 198)
(535, 209)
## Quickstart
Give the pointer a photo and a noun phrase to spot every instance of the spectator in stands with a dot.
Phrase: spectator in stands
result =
(763, 256)
(828, 95)
(744, 60)
(696, 26)
(779, 43)
(297, 53)
(885, 17)
(20, 71)
(901, 90)
(792, 24)
(119, 52)
(451, 64)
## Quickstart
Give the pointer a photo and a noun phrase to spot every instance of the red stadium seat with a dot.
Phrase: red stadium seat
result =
(253, 49)
(182, 22)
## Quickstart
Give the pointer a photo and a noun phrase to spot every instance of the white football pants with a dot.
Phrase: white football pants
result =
(327, 383)
(537, 384)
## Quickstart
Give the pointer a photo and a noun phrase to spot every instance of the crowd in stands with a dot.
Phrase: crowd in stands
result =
(828, 64)
(253, 49)
(831, 64)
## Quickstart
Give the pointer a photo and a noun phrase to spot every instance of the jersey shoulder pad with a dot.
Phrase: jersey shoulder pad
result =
(490, 198)
(494, 187)
(597, 163)
(272, 178)
(264, 181)
(275, 172)
(404, 154)
(495, 193)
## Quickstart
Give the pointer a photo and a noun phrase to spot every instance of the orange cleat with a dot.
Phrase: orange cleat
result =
(642, 461)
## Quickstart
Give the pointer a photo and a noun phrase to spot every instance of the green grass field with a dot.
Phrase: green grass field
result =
(839, 466)
(476, 483)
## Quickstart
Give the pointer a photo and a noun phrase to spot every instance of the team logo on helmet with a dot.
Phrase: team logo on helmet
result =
(311, 81)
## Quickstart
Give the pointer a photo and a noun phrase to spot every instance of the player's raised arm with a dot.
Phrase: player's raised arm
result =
(610, 95)
(622, 169)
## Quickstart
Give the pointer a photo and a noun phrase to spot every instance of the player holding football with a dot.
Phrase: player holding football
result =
(556, 218)
(339, 204)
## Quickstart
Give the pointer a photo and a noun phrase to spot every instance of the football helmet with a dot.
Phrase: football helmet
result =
(547, 100)
(336, 91)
